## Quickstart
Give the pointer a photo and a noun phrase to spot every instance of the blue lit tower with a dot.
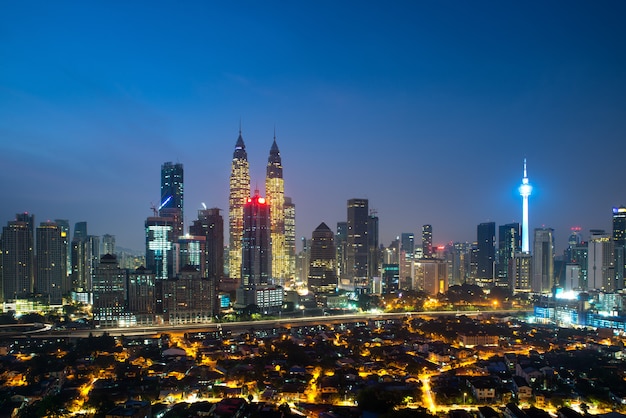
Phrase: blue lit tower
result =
(524, 190)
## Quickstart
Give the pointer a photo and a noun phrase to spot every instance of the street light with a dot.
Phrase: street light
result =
(464, 395)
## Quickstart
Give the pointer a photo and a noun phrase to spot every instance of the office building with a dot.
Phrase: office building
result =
(108, 244)
(210, 224)
(239, 194)
(430, 276)
(141, 296)
(619, 246)
(509, 243)
(373, 250)
(322, 266)
(520, 273)
(543, 261)
(256, 254)
(357, 245)
(486, 255)
(390, 279)
(64, 224)
(188, 298)
(600, 261)
(427, 241)
(160, 246)
(172, 196)
(190, 251)
(290, 238)
(341, 242)
(109, 294)
(18, 258)
(51, 278)
(275, 194)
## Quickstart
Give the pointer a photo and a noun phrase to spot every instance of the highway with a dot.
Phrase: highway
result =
(239, 327)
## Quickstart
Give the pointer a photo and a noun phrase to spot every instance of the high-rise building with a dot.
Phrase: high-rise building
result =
(239, 194)
(109, 293)
(357, 246)
(80, 231)
(323, 270)
(64, 224)
(159, 247)
(543, 261)
(108, 244)
(619, 246)
(18, 258)
(525, 190)
(427, 241)
(290, 238)
(508, 244)
(407, 243)
(51, 277)
(373, 251)
(210, 225)
(390, 278)
(172, 196)
(190, 251)
(486, 239)
(141, 297)
(275, 194)
(341, 242)
(431, 276)
(256, 265)
(600, 259)
(256, 257)
(520, 274)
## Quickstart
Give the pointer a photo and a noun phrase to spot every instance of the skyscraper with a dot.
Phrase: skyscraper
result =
(275, 193)
(256, 263)
(159, 247)
(18, 259)
(109, 293)
(341, 241)
(600, 259)
(64, 224)
(172, 187)
(290, 238)
(525, 189)
(508, 244)
(543, 261)
(323, 270)
(373, 252)
(210, 224)
(239, 194)
(108, 244)
(357, 248)
(619, 245)
(51, 271)
(486, 239)
(427, 241)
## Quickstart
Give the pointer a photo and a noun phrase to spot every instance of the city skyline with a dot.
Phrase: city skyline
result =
(426, 110)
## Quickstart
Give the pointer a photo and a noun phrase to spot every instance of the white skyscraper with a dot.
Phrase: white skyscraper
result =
(525, 189)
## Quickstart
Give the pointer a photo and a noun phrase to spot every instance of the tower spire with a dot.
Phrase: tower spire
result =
(525, 189)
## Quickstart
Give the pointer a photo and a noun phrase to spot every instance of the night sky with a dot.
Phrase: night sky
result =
(426, 108)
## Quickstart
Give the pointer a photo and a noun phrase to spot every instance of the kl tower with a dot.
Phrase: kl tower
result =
(524, 190)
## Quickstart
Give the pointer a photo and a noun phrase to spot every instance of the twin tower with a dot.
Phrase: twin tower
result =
(281, 216)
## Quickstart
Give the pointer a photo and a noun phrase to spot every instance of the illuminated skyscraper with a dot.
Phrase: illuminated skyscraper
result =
(600, 259)
(525, 189)
(51, 271)
(18, 258)
(486, 239)
(172, 187)
(427, 241)
(619, 245)
(159, 247)
(239, 194)
(357, 249)
(508, 245)
(275, 191)
(108, 244)
(543, 261)
(290, 238)
(323, 270)
(210, 224)
(256, 264)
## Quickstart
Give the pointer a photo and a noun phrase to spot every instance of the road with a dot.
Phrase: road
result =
(239, 327)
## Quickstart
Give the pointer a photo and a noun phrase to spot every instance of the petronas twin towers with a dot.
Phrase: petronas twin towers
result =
(281, 214)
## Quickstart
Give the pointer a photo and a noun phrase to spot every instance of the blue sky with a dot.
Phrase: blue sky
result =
(425, 108)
